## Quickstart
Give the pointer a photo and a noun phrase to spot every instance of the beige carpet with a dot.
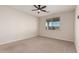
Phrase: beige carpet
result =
(40, 45)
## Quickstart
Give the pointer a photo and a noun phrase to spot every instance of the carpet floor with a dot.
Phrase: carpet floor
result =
(38, 45)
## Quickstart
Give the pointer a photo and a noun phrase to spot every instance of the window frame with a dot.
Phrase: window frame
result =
(48, 20)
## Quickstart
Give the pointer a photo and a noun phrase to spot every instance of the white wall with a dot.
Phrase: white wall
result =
(66, 31)
(16, 25)
(77, 28)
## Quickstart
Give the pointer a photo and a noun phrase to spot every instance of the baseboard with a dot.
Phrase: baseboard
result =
(29, 38)
(16, 40)
(55, 38)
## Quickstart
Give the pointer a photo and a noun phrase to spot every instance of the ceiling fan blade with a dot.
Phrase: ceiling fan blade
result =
(35, 6)
(34, 9)
(44, 10)
(43, 7)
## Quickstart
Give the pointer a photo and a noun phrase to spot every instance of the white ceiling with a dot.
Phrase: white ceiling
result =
(51, 8)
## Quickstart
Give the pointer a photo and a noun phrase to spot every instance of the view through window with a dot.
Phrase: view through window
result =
(52, 23)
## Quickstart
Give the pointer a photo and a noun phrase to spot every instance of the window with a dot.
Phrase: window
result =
(52, 23)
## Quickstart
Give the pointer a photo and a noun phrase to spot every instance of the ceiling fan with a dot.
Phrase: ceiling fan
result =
(39, 8)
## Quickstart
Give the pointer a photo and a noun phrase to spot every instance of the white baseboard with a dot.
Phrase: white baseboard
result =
(2, 43)
(55, 38)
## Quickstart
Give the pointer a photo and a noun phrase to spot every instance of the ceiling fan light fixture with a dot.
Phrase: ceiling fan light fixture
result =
(39, 10)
